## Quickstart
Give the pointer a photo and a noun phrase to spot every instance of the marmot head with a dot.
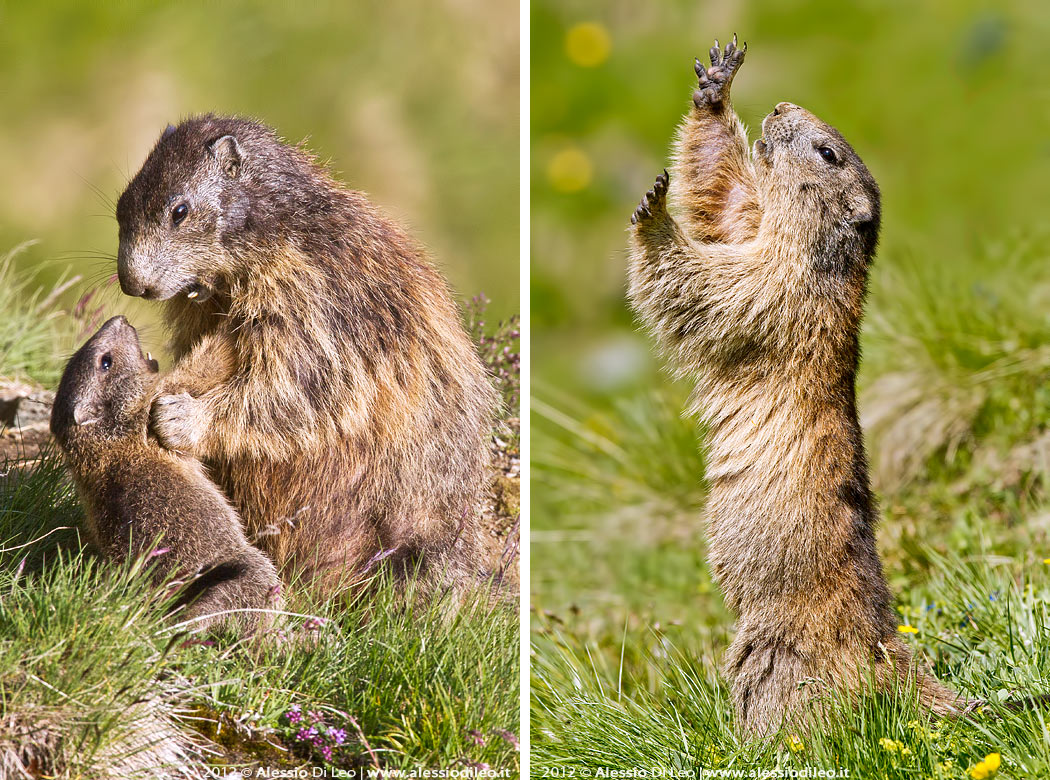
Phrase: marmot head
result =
(811, 179)
(103, 390)
(211, 186)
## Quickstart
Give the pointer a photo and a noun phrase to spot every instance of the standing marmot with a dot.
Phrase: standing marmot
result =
(139, 495)
(322, 368)
(756, 293)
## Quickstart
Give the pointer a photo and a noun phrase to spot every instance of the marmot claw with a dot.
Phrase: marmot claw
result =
(714, 81)
(653, 200)
(179, 422)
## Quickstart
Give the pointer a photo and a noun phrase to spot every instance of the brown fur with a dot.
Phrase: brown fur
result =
(141, 498)
(755, 292)
(322, 368)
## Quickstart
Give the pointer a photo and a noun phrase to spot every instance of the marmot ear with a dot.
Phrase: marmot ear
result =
(167, 132)
(227, 152)
(86, 413)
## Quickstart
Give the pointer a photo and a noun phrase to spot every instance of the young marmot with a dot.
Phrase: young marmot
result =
(142, 499)
(755, 292)
(322, 368)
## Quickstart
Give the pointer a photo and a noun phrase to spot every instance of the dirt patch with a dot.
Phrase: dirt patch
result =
(25, 412)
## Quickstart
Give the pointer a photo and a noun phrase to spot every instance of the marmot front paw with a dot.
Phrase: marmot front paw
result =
(715, 81)
(653, 202)
(179, 422)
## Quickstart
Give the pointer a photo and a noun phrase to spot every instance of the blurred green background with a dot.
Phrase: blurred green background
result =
(948, 103)
(414, 103)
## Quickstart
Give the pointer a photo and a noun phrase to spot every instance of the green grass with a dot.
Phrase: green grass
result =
(32, 328)
(81, 641)
(664, 705)
(956, 363)
(629, 631)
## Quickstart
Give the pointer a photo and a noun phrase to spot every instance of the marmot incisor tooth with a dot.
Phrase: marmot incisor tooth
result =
(136, 492)
(755, 292)
(322, 368)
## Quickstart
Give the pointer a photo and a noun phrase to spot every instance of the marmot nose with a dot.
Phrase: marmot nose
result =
(783, 108)
(137, 289)
(128, 285)
(115, 323)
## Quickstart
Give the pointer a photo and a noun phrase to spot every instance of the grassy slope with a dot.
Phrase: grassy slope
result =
(629, 630)
(75, 631)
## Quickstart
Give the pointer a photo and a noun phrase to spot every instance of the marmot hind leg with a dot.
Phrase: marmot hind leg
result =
(770, 686)
(239, 591)
(777, 686)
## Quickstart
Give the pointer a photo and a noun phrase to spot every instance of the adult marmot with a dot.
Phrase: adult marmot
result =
(141, 498)
(755, 292)
(322, 368)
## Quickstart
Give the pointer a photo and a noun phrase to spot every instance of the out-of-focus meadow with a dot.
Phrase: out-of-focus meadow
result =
(414, 103)
(948, 103)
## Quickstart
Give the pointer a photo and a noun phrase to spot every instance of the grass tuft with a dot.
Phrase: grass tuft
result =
(956, 358)
(629, 630)
(84, 651)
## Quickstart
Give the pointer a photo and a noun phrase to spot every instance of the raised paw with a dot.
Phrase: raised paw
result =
(179, 422)
(653, 202)
(714, 81)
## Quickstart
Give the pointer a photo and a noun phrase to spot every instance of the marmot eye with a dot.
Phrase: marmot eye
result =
(827, 153)
(106, 362)
(179, 213)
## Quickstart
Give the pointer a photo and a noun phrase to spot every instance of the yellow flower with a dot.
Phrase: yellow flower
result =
(570, 170)
(1046, 560)
(986, 768)
(588, 44)
(795, 743)
(888, 744)
(915, 726)
(908, 629)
